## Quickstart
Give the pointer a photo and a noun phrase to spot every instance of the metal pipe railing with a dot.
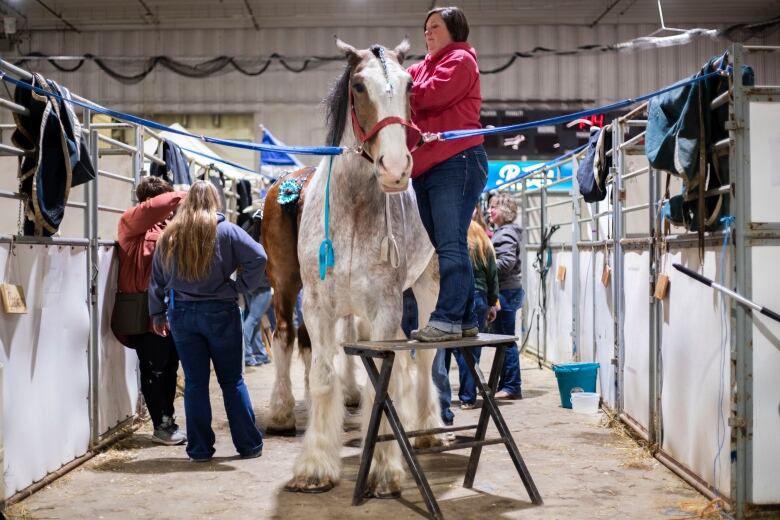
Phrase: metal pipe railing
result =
(636, 173)
(14, 107)
(116, 176)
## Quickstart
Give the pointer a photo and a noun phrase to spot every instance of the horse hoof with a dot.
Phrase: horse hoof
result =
(281, 432)
(304, 484)
(428, 441)
(385, 491)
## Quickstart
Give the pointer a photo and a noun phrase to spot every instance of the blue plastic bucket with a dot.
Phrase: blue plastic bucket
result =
(575, 375)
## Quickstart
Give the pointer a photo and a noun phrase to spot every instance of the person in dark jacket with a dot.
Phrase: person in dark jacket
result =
(506, 242)
(195, 258)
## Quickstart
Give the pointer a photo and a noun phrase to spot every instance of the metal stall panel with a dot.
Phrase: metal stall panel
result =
(695, 369)
(604, 334)
(559, 309)
(766, 367)
(586, 345)
(636, 377)
(45, 356)
(118, 365)
(532, 302)
(765, 192)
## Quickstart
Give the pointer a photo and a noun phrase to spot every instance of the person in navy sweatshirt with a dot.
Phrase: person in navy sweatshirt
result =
(192, 297)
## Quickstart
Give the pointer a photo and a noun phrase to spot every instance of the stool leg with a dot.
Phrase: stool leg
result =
(487, 394)
(406, 447)
(503, 430)
(380, 383)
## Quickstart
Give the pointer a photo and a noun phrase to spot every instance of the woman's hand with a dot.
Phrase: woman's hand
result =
(160, 327)
(491, 314)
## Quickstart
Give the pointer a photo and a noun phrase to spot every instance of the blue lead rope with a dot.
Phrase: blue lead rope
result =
(326, 247)
(298, 150)
(460, 134)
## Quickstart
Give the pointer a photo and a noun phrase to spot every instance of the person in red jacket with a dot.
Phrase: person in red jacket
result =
(448, 176)
(137, 233)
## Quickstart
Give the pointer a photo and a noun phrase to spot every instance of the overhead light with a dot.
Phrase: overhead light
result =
(9, 25)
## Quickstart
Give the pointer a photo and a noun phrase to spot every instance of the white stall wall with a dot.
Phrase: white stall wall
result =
(695, 349)
(559, 310)
(765, 192)
(604, 333)
(636, 368)
(586, 343)
(45, 356)
(118, 365)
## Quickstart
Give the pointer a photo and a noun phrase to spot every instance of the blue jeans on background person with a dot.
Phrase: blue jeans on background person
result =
(441, 379)
(467, 392)
(257, 304)
(511, 300)
(446, 196)
(210, 331)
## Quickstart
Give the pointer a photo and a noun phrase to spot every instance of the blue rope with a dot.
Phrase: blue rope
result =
(225, 161)
(326, 247)
(460, 134)
(727, 221)
(298, 150)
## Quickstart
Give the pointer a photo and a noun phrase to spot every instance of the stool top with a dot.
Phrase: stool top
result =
(481, 340)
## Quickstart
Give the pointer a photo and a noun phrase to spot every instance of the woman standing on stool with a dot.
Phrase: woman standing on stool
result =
(506, 241)
(192, 266)
(448, 176)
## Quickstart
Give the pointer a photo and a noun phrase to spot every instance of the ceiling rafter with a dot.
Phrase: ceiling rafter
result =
(58, 15)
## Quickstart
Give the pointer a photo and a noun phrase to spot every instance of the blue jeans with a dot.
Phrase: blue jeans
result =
(511, 301)
(468, 387)
(206, 331)
(441, 379)
(446, 196)
(256, 305)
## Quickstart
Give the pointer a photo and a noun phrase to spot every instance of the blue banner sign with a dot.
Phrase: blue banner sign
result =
(503, 172)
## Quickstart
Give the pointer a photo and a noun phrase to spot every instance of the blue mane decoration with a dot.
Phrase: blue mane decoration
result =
(289, 192)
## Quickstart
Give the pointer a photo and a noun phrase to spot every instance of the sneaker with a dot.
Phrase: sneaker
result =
(503, 394)
(203, 459)
(430, 334)
(254, 455)
(468, 406)
(168, 433)
(471, 332)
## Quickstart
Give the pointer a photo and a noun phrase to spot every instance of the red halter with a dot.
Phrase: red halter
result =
(414, 136)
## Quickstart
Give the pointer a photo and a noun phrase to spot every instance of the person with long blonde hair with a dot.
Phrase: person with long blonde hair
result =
(192, 296)
(483, 262)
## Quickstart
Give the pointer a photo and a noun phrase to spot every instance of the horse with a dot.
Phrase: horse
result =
(380, 248)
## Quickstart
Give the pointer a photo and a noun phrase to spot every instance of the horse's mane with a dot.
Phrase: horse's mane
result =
(337, 104)
(338, 100)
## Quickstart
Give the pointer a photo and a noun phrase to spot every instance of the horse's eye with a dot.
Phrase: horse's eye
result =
(409, 86)
(359, 87)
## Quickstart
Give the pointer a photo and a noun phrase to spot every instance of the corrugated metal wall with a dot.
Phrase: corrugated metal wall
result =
(288, 103)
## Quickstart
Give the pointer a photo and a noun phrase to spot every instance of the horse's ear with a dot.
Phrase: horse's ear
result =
(401, 49)
(349, 51)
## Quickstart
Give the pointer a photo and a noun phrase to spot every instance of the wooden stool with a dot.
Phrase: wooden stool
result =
(369, 350)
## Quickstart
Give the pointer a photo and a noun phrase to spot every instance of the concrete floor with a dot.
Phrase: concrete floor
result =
(582, 468)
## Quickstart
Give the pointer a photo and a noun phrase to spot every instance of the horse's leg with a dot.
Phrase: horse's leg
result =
(347, 331)
(282, 406)
(386, 468)
(318, 467)
(426, 290)
(304, 347)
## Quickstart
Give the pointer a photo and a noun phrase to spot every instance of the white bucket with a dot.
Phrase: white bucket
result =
(585, 402)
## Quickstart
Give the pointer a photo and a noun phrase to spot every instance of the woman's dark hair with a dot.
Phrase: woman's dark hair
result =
(151, 187)
(455, 21)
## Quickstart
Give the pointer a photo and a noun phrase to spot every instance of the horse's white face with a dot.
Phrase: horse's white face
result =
(380, 89)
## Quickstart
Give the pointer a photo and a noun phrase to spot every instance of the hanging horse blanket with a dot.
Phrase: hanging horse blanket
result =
(681, 129)
(55, 158)
(593, 170)
(176, 170)
(244, 194)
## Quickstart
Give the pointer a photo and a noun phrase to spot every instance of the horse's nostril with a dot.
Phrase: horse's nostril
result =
(398, 181)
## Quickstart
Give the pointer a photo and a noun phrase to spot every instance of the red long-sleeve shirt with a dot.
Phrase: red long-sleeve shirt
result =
(137, 234)
(445, 96)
